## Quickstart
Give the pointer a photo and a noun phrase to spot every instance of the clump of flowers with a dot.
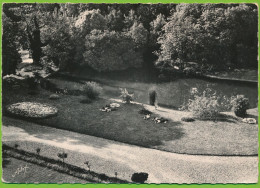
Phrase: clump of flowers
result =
(32, 110)
(126, 97)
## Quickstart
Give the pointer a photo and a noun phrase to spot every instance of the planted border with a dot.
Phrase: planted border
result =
(59, 166)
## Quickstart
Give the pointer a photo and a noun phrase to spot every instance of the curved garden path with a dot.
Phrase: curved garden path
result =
(106, 156)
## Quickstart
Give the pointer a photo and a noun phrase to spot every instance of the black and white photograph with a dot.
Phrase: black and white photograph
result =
(129, 93)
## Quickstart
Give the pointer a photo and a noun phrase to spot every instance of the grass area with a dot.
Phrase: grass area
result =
(170, 94)
(57, 165)
(33, 174)
(226, 137)
(243, 74)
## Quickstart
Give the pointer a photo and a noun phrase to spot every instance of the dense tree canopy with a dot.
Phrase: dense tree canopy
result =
(108, 37)
(211, 35)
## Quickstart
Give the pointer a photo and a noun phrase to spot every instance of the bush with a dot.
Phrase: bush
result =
(126, 97)
(92, 90)
(205, 105)
(239, 105)
(139, 177)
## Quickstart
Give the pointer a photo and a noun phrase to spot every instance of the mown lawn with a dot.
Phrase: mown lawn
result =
(229, 137)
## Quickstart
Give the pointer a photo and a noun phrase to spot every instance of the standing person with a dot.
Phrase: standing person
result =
(153, 98)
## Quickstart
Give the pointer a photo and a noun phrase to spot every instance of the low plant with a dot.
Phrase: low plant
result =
(62, 156)
(16, 146)
(139, 177)
(38, 150)
(88, 165)
(92, 90)
(126, 97)
(239, 105)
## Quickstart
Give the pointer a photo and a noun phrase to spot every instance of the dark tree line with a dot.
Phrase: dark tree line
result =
(108, 37)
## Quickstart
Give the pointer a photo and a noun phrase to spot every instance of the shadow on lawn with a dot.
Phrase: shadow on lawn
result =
(125, 125)
(155, 136)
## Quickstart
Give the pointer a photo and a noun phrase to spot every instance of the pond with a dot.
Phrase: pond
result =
(175, 93)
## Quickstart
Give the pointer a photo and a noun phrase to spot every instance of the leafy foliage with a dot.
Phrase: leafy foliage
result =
(205, 105)
(92, 90)
(109, 51)
(62, 156)
(126, 97)
(139, 177)
(195, 31)
(10, 54)
(240, 104)
(108, 37)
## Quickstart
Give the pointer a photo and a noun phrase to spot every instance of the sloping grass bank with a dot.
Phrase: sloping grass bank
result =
(59, 166)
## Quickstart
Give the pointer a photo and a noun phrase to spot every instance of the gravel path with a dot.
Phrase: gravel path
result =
(106, 156)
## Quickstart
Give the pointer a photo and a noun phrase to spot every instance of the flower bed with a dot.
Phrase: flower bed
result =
(32, 110)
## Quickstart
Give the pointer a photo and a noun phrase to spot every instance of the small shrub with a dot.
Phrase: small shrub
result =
(38, 150)
(187, 119)
(103, 177)
(205, 105)
(126, 97)
(139, 177)
(16, 146)
(92, 90)
(239, 105)
(87, 164)
(62, 156)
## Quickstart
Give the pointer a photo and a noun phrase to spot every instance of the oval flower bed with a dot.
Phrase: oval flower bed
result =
(32, 110)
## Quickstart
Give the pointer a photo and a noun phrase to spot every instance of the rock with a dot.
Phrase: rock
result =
(249, 120)
(54, 97)
(187, 119)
